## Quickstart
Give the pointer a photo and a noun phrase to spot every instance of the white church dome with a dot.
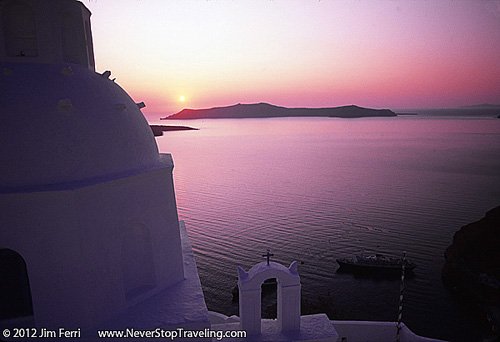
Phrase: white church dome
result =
(63, 123)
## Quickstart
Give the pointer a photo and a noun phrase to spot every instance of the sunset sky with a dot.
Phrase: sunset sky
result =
(384, 54)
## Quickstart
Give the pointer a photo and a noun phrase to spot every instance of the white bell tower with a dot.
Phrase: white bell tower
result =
(250, 285)
(290, 325)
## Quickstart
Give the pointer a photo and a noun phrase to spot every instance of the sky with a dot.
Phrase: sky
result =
(175, 54)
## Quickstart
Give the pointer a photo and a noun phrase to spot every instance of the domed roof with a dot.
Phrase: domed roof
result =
(63, 123)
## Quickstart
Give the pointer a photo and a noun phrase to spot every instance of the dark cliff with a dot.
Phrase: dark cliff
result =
(472, 267)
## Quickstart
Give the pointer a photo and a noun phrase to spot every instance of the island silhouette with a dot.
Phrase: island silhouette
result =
(266, 110)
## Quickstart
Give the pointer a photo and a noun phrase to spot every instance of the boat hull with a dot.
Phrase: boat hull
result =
(351, 265)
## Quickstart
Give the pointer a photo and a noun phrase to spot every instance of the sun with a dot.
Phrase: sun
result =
(182, 98)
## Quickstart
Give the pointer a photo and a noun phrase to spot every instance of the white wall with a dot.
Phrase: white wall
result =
(71, 242)
(362, 331)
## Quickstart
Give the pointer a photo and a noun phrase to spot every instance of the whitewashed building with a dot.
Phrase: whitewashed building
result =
(89, 232)
(89, 226)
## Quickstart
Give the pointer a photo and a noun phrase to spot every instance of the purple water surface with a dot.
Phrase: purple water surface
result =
(315, 189)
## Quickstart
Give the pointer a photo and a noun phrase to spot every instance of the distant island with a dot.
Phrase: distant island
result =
(482, 106)
(159, 129)
(478, 110)
(266, 110)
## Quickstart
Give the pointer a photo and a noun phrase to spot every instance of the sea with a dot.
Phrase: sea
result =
(317, 189)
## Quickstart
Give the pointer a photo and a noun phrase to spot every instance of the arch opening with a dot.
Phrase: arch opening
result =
(269, 298)
(287, 299)
(15, 291)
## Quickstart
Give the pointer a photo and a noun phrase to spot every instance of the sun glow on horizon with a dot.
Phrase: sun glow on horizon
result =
(402, 54)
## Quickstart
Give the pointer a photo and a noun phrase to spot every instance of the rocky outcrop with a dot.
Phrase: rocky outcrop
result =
(472, 267)
(159, 129)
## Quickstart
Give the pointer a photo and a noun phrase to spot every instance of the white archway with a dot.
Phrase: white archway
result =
(250, 288)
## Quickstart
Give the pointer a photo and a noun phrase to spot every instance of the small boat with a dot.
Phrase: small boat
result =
(375, 262)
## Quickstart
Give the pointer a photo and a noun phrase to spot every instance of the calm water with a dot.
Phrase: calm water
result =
(317, 189)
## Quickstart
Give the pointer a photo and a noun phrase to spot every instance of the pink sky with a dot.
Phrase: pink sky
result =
(383, 54)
